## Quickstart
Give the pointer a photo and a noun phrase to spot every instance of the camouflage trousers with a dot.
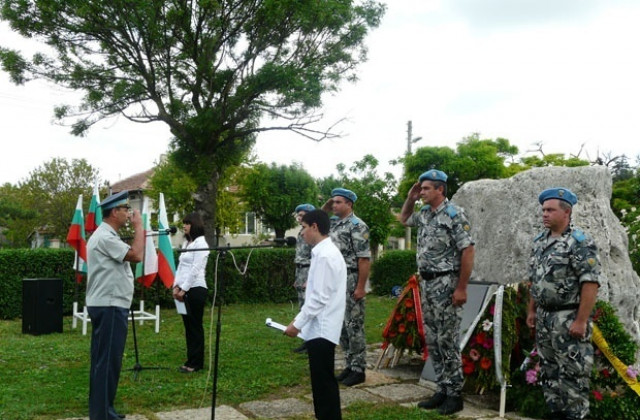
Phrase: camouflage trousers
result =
(300, 284)
(442, 330)
(565, 363)
(352, 338)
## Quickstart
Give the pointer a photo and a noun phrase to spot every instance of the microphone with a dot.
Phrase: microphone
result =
(168, 231)
(288, 241)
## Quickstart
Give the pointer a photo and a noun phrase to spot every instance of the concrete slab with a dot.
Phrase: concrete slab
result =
(401, 392)
(223, 412)
(129, 417)
(277, 408)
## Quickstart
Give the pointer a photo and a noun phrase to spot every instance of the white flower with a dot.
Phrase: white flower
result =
(486, 325)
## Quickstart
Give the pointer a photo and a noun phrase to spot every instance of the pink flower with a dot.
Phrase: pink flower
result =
(532, 376)
(632, 372)
(488, 343)
(474, 354)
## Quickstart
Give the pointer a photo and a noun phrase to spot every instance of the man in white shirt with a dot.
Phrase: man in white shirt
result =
(322, 314)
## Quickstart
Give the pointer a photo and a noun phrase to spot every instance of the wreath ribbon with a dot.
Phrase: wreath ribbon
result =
(617, 364)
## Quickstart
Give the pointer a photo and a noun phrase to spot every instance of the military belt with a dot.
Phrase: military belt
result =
(302, 265)
(556, 308)
(430, 275)
(352, 270)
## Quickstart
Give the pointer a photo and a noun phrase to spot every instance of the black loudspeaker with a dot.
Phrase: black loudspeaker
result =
(41, 306)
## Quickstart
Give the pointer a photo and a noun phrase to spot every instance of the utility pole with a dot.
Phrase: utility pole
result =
(410, 141)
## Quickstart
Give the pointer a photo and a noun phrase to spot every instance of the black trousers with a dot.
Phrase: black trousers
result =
(108, 337)
(326, 394)
(195, 300)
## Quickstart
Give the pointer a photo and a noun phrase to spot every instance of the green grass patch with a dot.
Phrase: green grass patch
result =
(47, 377)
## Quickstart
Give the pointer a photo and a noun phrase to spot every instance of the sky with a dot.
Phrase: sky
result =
(563, 74)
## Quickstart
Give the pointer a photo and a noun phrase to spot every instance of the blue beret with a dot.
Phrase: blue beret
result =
(305, 207)
(564, 194)
(115, 200)
(343, 192)
(433, 175)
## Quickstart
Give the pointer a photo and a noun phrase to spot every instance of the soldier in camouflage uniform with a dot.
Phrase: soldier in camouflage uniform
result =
(445, 252)
(351, 235)
(302, 261)
(564, 272)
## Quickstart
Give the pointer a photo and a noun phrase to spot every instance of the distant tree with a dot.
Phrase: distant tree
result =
(52, 191)
(375, 194)
(553, 159)
(17, 219)
(209, 70)
(274, 191)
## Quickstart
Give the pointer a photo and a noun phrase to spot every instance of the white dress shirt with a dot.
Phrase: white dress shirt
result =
(322, 314)
(192, 265)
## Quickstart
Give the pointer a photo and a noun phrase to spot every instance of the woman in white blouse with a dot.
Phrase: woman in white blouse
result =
(190, 287)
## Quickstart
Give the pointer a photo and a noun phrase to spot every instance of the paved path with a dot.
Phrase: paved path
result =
(401, 385)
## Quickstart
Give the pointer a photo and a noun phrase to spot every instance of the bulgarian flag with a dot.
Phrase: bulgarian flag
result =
(147, 269)
(94, 217)
(77, 240)
(166, 263)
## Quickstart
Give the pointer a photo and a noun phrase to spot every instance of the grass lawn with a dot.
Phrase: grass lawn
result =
(46, 377)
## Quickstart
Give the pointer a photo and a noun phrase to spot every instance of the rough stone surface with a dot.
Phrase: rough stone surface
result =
(277, 408)
(401, 392)
(223, 412)
(505, 217)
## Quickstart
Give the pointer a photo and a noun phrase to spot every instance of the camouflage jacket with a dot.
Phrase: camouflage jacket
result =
(351, 236)
(558, 266)
(442, 235)
(303, 251)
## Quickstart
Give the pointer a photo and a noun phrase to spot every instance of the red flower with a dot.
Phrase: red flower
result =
(392, 334)
(409, 340)
(408, 303)
(402, 328)
(398, 317)
(468, 368)
(597, 395)
(605, 373)
(481, 337)
(485, 363)
(411, 316)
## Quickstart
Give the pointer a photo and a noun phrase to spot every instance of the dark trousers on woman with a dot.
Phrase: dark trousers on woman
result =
(195, 300)
(108, 337)
(326, 394)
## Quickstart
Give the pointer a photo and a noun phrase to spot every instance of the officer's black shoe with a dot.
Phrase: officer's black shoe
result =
(556, 415)
(354, 378)
(435, 401)
(343, 375)
(301, 349)
(451, 405)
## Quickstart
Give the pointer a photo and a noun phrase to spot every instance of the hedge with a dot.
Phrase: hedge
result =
(269, 278)
(393, 268)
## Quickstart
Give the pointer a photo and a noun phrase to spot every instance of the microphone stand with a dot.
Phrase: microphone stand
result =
(223, 255)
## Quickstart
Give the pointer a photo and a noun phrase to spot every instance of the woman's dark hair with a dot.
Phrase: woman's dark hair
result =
(197, 226)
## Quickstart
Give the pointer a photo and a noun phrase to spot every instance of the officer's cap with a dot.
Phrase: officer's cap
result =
(343, 192)
(115, 200)
(305, 207)
(433, 175)
(564, 194)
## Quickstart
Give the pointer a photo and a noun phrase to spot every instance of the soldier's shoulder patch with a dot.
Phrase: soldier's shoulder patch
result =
(451, 211)
(355, 220)
(366, 236)
(539, 236)
(578, 235)
(466, 227)
(591, 261)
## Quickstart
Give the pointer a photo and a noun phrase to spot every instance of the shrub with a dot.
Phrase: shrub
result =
(393, 268)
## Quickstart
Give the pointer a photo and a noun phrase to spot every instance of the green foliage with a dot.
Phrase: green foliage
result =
(273, 192)
(209, 70)
(17, 220)
(620, 341)
(374, 197)
(393, 268)
(553, 159)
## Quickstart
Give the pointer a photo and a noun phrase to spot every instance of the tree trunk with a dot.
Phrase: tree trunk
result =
(206, 205)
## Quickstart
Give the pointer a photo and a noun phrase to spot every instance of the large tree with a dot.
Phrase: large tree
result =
(210, 70)
(274, 191)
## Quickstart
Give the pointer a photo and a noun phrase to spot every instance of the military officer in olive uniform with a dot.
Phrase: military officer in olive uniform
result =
(564, 272)
(302, 261)
(351, 235)
(445, 252)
